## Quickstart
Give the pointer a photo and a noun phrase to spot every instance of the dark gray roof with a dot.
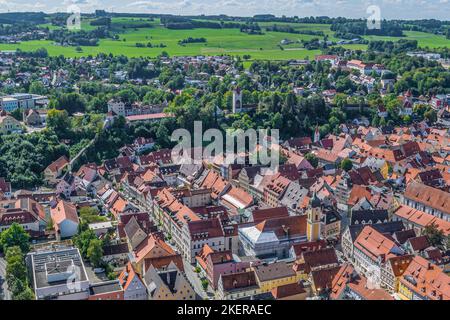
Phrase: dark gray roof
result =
(386, 227)
(105, 287)
(134, 233)
(369, 216)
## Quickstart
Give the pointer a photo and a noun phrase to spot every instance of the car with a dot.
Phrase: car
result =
(99, 270)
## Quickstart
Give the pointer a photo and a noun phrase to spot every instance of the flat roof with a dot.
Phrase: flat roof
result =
(56, 261)
(105, 287)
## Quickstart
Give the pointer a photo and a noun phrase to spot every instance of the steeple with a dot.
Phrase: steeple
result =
(316, 135)
(314, 218)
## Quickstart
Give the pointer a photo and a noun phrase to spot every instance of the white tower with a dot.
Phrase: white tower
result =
(237, 100)
(316, 135)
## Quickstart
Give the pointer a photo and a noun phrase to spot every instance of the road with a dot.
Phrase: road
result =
(4, 292)
(194, 279)
(191, 275)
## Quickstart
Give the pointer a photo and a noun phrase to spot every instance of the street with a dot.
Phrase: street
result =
(194, 279)
(4, 292)
(191, 275)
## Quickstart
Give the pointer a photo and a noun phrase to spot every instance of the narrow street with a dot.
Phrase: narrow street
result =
(194, 279)
(191, 275)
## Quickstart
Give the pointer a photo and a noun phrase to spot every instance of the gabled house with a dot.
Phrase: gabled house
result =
(55, 169)
(170, 284)
(65, 219)
(133, 286)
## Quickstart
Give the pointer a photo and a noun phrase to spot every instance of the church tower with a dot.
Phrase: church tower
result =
(314, 216)
(237, 100)
(316, 135)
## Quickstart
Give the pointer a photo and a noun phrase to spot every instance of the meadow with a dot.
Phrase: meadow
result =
(219, 41)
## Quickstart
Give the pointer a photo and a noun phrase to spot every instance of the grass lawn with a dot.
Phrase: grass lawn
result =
(424, 39)
(219, 41)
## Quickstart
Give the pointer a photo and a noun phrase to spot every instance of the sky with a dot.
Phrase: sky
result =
(389, 9)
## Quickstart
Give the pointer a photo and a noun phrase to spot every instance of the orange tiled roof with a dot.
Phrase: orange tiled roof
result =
(374, 244)
(429, 196)
(426, 279)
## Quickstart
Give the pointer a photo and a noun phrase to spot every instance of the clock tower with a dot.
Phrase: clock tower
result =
(314, 217)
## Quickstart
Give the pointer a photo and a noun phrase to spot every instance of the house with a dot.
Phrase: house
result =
(5, 188)
(29, 221)
(132, 284)
(417, 219)
(293, 197)
(271, 275)
(170, 284)
(198, 233)
(66, 186)
(234, 286)
(372, 249)
(153, 246)
(109, 290)
(351, 233)
(85, 176)
(423, 280)
(8, 124)
(65, 219)
(55, 169)
(428, 199)
(392, 270)
(292, 291)
(314, 260)
(349, 285)
(215, 263)
(143, 144)
(369, 216)
(331, 225)
(32, 118)
(275, 189)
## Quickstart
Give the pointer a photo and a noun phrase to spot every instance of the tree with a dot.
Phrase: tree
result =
(15, 235)
(71, 102)
(26, 294)
(346, 164)
(90, 215)
(83, 240)
(431, 116)
(16, 275)
(95, 252)
(37, 87)
(434, 235)
(312, 159)
(15, 268)
(59, 121)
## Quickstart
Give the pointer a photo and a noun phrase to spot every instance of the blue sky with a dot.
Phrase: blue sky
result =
(390, 9)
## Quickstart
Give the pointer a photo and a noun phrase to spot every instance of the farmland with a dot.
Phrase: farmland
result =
(219, 41)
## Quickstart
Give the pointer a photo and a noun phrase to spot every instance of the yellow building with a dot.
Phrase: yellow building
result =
(8, 124)
(314, 215)
(271, 276)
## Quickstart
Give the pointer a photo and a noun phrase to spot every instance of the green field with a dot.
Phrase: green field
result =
(219, 41)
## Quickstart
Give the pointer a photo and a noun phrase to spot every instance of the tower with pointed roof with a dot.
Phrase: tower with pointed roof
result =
(237, 100)
(314, 217)
(316, 135)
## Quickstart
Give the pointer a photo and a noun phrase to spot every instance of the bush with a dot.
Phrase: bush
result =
(205, 284)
